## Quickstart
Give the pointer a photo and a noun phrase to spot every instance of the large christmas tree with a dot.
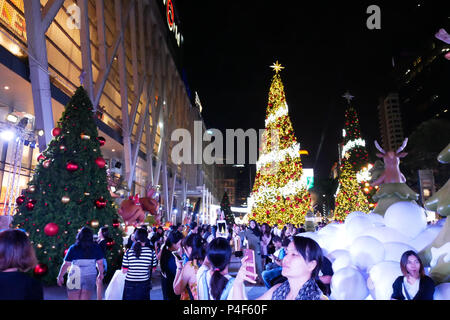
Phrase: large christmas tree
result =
(279, 194)
(354, 146)
(68, 191)
(349, 195)
(226, 208)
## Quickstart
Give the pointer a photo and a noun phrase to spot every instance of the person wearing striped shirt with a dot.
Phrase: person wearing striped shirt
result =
(137, 263)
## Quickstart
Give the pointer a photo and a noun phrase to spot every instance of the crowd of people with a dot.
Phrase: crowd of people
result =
(194, 263)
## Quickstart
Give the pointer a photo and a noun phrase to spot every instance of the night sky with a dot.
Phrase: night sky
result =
(326, 49)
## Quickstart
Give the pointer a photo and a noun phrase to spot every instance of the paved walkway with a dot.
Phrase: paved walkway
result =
(253, 291)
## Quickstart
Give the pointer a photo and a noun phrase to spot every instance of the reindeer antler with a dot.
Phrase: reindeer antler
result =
(379, 148)
(402, 146)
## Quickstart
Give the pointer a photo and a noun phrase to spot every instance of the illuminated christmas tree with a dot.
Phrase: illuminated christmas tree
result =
(349, 194)
(355, 146)
(279, 194)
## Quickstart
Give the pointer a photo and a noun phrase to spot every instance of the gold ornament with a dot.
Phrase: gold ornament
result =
(31, 189)
(65, 199)
(95, 223)
(87, 194)
(85, 136)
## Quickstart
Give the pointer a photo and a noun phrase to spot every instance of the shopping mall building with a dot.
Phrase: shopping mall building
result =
(127, 52)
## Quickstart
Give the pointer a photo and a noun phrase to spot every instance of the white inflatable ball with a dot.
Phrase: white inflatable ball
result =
(386, 234)
(329, 230)
(354, 214)
(311, 235)
(366, 252)
(425, 238)
(377, 220)
(381, 278)
(332, 256)
(332, 238)
(348, 284)
(393, 251)
(407, 218)
(356, 226)
(342, 261)
(442, 292)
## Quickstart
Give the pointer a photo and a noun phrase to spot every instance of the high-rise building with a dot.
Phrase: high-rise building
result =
(422, 79)
(390, 119)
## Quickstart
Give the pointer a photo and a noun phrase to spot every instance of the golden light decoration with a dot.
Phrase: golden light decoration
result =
(85, 136)
(95, 223)
(350, 197)
(277, 67)
(39, 245)
(31, 188)
(65, 199)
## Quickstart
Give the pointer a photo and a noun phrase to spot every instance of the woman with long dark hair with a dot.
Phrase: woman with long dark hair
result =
(214, 282)
(185, 283)
(84, 258)
(266, 238)
(414, 284)
(301, 266)
(253, 235)
(168, 264)
(137, 264)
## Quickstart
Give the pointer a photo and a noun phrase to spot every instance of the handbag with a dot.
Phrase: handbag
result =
(116, 286)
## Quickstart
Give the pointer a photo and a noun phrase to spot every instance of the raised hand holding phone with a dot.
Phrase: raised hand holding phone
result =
(249, 256)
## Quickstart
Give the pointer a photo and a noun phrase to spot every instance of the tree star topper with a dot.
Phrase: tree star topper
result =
(277, 67)
(347, 96)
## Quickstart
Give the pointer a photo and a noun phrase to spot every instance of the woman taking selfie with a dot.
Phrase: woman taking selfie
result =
(301, 266)
(185, 283)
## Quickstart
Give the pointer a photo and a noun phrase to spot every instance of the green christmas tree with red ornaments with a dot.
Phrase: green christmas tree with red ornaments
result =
(68, 191)
(354, 149)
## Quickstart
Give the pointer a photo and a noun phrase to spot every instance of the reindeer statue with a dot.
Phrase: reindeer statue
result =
(133, 210)
(391, 181)
(391, 160)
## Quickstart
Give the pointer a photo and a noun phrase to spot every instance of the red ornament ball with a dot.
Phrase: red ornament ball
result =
(46, 164)
(70, 166)
(41, 269)
(56, 132)
(41, 157)
(110, 244)
(20, 200)
(101, 163)
(102, 141)
(30, 206)
(51, 229)
(100, 203)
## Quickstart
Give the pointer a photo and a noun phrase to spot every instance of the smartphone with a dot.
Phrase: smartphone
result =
(250, 254)
(222, 230)
(176, 255)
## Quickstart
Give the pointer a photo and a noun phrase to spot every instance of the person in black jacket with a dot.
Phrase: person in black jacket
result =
(17, 256)
(414, 284)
